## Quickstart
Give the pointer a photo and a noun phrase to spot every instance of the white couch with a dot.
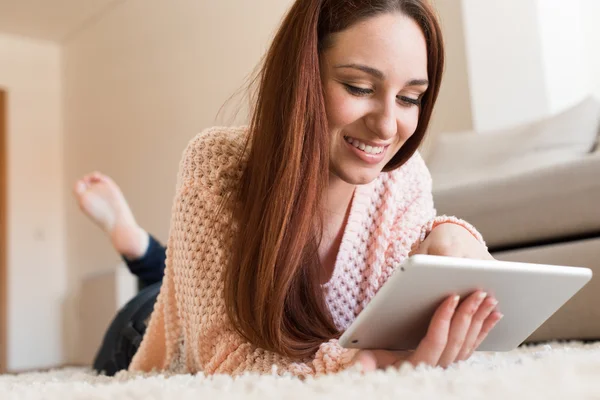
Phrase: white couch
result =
(534, 193)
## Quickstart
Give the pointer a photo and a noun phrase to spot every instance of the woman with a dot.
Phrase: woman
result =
(283, 231)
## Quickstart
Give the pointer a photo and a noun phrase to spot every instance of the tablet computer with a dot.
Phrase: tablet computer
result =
(398, 316)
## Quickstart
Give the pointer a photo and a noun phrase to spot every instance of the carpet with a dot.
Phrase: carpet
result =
(549, 371)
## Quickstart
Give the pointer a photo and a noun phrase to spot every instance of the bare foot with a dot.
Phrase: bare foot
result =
(101, 199)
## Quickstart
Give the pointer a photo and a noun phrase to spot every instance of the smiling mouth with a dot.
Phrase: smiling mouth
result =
(373, 150)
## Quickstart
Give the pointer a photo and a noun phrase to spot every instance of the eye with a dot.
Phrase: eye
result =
(409, 101)
(356, 91)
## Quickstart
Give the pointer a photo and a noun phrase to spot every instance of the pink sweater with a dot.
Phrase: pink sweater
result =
(189, 330)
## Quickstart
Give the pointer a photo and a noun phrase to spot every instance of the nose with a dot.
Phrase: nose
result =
(382, 121)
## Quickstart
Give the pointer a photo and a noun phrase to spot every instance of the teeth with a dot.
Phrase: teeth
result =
(367, 149)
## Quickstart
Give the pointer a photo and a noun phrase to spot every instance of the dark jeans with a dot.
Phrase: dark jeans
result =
(127, 329)
(149, 269)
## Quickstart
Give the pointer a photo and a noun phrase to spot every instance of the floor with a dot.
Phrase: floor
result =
(550, 371)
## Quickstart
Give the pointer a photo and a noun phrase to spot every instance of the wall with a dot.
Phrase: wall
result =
(30, 74)
(453, 110)
(565, 64)
(139, 84)
(590, 9)
(505, 63)
(528, 59)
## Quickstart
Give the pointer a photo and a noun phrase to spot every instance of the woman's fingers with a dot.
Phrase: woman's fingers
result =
(477, 322)
(488, 325)
(432, 346)
(379, 359)
(460, 326)
(453, 334)
(366, 359)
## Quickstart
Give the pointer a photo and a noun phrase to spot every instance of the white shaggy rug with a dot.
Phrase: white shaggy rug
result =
(555, 371)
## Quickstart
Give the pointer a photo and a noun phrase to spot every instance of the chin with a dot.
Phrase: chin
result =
(356, 177)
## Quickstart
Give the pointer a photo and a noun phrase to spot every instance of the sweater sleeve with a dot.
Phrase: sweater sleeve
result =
(444, 219)
(422, 207)
(186, 299)
(237, 356)
(332, 357)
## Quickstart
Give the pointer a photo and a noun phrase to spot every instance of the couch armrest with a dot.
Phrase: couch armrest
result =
(555, 202)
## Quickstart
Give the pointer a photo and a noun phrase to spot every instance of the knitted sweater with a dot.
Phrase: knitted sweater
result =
(189, 330)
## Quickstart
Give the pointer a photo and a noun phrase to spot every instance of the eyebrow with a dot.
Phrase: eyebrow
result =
(380, 75)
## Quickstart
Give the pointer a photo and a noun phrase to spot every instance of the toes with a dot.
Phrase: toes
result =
(87, 178)
(80, 187)
(96, 176)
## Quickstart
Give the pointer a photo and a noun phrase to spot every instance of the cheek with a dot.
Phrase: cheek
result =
(341, 109)
(407, 125)
(410, 123)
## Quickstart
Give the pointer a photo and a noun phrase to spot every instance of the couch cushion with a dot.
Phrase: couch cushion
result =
(458, 159)
(546, 203)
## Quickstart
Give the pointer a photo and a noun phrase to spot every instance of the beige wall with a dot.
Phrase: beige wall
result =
(30, 74)
(453, 108)
(139, 84)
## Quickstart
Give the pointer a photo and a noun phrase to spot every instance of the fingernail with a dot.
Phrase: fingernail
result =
(481, 296)
(500, 316)
(455, 300)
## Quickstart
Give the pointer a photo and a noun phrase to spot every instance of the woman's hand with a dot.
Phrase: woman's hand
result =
(455, 331)
(453, 240)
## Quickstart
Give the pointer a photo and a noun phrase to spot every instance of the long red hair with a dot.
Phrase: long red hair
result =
(273, 294)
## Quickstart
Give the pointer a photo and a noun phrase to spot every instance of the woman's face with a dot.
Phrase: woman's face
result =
(374, 76)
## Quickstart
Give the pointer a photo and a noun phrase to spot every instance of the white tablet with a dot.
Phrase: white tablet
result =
(398, 316)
